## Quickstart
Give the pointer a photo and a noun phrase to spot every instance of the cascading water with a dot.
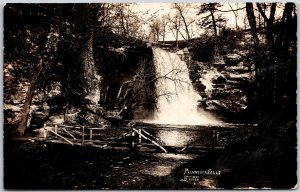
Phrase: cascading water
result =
(177, 100)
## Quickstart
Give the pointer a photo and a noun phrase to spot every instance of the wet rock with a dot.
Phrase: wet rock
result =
(71, 116)
(232, 58)
(219, 62)
(239, 77)
(224, 87)
(219, 80)
(238, 68)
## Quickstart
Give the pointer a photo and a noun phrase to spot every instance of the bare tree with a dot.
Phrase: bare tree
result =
(50, 47)
(29, 95)
(235, 12)
(122, 20)
(182, 10)
(155, 29)
(164, 24)
(139, 86)
(269, 20)
(174, 26)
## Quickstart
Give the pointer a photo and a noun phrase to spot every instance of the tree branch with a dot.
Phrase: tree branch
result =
(231, 10)
(262, 12)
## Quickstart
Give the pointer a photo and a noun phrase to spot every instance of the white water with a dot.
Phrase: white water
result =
(177, 101)
(207, 78)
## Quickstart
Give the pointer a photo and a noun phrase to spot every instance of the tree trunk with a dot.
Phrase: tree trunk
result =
(123, 23)
(28, 99)
(258, 57)
(213, 22)
(269, 21)
(185, 25)
(286, 41)
(252, 23)
(177, 31)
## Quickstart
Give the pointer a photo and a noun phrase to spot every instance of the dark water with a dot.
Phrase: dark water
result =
(38, 165)
(206, 136)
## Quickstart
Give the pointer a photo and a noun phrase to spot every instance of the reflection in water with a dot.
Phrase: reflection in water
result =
(175, 138)
(159, 170)
(176, 156)
(168, 162)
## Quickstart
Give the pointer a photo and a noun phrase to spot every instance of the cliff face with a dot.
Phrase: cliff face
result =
(226, 84)
(126, 73)
(86, 75)
(109, 79)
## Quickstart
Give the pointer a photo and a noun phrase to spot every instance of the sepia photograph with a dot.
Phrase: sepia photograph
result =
(150, 96)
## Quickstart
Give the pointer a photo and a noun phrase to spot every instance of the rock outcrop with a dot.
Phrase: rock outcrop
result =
(225, 85)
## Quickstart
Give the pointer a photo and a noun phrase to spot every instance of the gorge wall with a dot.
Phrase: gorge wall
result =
(227, 82)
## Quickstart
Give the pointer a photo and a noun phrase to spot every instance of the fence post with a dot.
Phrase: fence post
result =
(45, 131)
(91, 134)
(55, 130)
(140, 137)
(132, 139)
(215, 138)
(82, 139)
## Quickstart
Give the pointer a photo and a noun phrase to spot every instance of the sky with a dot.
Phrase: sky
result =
(165, 8)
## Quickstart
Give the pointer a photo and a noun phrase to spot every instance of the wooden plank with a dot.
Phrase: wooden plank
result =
(69, 126)
(61, 137)
(143, 136)
(140, 137)
(82, 138)
(45, 132)
(64, 129)
(98, 128)
(147, 133)
(91, 134)
(193, 129)
(116, 139)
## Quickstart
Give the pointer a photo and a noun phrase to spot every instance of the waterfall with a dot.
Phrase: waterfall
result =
(177, 99)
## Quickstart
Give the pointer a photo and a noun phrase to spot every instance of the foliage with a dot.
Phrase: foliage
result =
(212, 20)
(203, 48)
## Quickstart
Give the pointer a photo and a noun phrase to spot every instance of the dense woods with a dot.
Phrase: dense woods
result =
(93, 64)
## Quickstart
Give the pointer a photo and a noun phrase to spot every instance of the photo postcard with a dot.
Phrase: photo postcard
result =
(143, 96)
